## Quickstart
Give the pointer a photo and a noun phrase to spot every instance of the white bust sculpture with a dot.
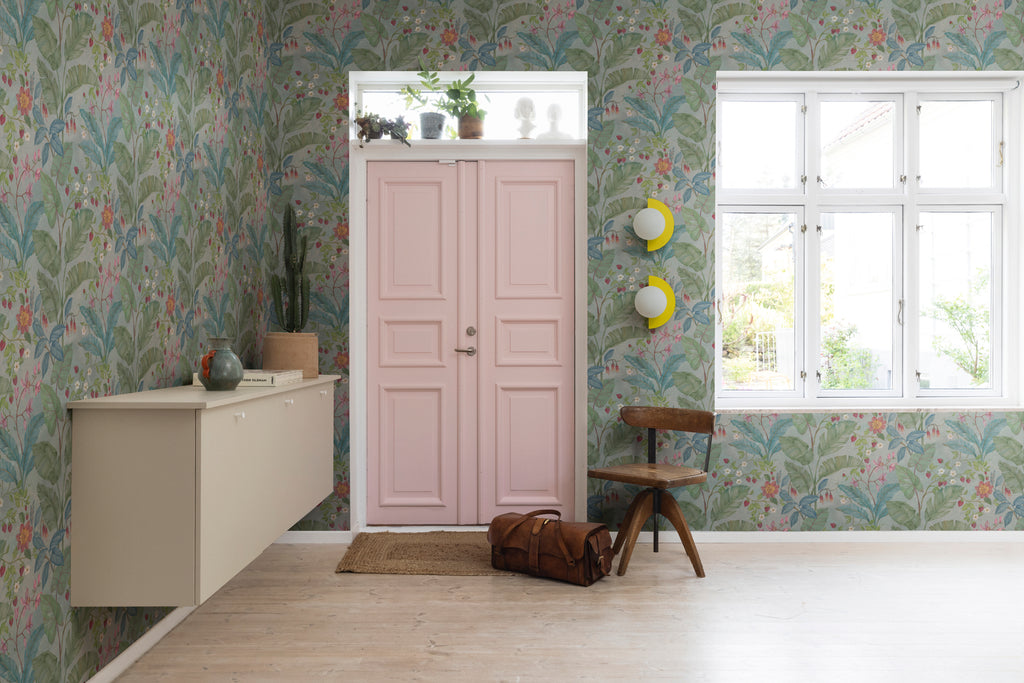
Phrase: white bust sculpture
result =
(524, 115)
(553, 133)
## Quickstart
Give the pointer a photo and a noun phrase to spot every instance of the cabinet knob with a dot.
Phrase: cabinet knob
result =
(289, 401)
(323, 392)
(240, 416)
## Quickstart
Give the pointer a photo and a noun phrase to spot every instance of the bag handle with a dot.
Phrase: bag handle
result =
(558, 532)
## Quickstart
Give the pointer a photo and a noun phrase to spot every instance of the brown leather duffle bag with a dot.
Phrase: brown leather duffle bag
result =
(577, 552)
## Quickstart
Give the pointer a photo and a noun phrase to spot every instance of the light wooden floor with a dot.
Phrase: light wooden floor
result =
(766, 612)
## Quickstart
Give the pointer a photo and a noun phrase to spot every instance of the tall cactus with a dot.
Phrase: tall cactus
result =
(295, 281)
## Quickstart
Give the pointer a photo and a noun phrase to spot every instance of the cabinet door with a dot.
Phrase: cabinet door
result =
(526, 316)
(413, 296)
(134, 507)
(309, 445)
(245, 501)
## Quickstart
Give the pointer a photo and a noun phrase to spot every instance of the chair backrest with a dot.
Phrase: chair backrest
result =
(677, 419)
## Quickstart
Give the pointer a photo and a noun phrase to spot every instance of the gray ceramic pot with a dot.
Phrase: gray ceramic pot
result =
(431, 125)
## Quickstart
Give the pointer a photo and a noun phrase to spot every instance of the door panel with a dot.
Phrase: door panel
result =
(412, 445)
(528, 247)
(412, 309)
(415, 249)
(528, 422)
(526, 303)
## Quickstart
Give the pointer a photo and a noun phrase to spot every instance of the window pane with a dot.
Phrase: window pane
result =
(500, 122)
(858, 140)
(759, 145)
(956, 301)
(758, 344)
(856, 301)
(956, 144)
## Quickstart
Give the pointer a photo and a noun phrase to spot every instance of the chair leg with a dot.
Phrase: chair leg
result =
(620, 535)
(640, 509)
(670, 508)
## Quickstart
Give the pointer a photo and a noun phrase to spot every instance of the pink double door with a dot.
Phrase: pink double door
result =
(470, 340)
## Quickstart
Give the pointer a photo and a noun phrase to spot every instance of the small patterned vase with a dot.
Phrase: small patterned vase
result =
(220, 369)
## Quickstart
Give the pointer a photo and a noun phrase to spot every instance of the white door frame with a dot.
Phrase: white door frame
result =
(445, 151)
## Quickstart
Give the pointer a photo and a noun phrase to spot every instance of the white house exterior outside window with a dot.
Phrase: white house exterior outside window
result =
(867, 241)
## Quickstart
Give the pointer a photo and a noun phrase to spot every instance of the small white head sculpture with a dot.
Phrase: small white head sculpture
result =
(524, 114)
(553, 133)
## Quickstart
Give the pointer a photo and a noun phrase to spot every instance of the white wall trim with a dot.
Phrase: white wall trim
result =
(669, 537)
(119, 664)
(316, 537)
(939, 536)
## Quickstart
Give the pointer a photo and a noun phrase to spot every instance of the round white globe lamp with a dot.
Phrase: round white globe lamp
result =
(649, 224)
(650, 302)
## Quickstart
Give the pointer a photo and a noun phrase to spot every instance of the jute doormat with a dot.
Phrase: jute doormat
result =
(451, 553)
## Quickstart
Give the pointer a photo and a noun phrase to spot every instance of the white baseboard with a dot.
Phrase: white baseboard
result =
(119, 664)
(670, 536)
(316, 537)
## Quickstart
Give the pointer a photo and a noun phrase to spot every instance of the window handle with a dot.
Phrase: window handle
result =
(899, 313)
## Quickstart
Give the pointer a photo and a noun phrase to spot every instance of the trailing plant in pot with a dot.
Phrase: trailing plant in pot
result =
(426, 95)
(374, 126)
(460, 101)
(291, 349)
(398, 129)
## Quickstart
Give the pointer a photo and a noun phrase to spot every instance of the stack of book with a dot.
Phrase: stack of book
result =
(254, 377)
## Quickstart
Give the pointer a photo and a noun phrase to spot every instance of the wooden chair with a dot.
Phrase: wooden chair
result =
(658, 477)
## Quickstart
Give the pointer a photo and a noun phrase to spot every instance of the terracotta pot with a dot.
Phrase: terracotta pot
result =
(292, 351)
(471, 128)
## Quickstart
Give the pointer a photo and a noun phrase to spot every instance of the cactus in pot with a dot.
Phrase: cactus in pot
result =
(295, 283)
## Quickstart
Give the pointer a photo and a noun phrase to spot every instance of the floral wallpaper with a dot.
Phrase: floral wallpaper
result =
(135, 192)
(146, 152)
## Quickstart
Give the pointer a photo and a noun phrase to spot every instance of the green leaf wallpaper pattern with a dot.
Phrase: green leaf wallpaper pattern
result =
(132, 140)
(147, 149)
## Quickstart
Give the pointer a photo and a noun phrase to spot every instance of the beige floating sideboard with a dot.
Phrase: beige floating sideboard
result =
(175, 490)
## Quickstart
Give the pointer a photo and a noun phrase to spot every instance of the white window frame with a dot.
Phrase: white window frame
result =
(906, 199)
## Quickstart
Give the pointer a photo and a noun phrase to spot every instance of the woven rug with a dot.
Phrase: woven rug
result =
(449, 553)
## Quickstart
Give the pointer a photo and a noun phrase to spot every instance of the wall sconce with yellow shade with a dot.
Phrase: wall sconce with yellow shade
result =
(654, 224)
(656, 301)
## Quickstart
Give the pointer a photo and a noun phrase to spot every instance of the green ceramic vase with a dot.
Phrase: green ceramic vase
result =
(220, 369)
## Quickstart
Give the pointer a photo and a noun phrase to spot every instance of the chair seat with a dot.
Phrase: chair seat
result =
(657, 475)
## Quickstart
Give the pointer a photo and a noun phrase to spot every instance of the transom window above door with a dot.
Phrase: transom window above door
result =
(558, 94)
(867, 242)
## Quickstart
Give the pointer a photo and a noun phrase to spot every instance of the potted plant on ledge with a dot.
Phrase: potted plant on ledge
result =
(431, 122)
(374, 126)
(292, 349)
(460, 101)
